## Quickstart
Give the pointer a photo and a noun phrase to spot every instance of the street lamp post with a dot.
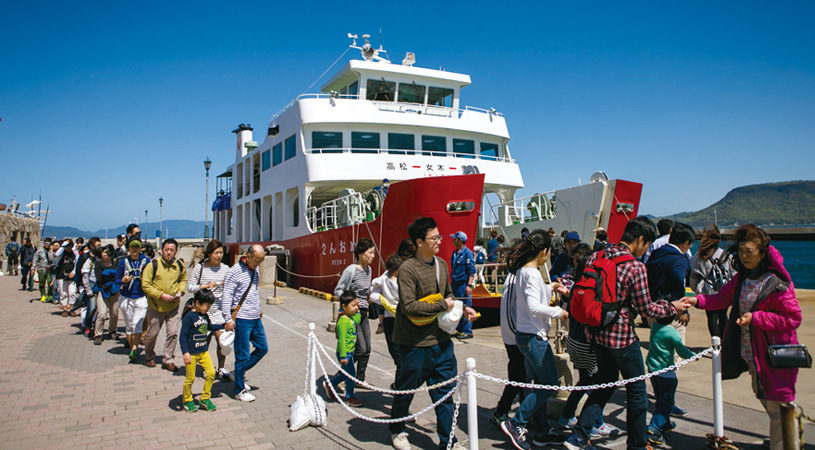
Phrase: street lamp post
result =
(160, 210)
(207, 164)
(145, 224)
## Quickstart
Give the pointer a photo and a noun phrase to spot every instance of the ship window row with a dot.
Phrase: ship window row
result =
(282, 151)
(403, 144)
(407, 92)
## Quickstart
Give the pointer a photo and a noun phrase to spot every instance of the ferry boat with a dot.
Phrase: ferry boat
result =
(380, 145)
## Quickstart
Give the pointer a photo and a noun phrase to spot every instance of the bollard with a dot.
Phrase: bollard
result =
(718, 409)
(472, 406)
(314, 355)
(788, 426)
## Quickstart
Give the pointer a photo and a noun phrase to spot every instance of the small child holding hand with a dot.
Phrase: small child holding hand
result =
(664, 340)
(346, 341)
(195, 326)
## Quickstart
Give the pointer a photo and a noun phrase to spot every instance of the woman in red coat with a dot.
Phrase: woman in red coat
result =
(765, 312)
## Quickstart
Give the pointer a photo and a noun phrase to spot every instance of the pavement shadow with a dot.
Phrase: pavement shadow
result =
(176, 403)
(119, 350)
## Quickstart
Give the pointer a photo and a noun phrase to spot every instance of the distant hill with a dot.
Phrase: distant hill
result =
(174, 228)
(786, 203)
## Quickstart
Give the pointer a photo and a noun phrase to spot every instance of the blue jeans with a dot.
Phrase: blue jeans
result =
(570, 407)
(460, 292)
(433, 365)
(247, 331)
(540, 366)
(664, 390)
(340, 377)
(611, 363)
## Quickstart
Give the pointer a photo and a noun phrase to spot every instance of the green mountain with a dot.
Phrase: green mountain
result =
(786, 203)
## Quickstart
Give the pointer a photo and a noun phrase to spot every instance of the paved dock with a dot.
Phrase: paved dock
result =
(60, 391)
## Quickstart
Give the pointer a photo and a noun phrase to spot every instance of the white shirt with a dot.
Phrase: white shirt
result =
(384, 285)
(525, 303)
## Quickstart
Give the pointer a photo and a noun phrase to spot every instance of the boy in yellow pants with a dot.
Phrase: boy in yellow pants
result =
(195, 326)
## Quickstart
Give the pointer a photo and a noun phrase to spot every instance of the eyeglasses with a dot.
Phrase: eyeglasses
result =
(436, 238)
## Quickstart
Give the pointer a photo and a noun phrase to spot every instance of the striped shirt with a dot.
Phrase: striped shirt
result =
(210, 274)
(355, 279)
(235, 284)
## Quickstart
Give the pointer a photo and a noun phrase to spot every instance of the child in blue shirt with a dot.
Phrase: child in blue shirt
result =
(195, 326)
(346, 341)
(664, 340)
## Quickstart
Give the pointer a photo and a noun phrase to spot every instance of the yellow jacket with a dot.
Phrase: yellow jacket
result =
(167, 279)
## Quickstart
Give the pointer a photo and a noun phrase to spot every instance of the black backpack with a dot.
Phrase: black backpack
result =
(719, 273)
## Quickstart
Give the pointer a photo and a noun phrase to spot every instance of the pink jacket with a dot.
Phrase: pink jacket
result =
(778, 314)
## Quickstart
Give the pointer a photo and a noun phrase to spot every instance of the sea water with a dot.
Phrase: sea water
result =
(799, 259)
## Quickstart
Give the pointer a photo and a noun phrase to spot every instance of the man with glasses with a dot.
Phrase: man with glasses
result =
(240, 306)
(425, 351)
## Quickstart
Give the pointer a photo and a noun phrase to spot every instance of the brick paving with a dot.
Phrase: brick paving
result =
(61, 391)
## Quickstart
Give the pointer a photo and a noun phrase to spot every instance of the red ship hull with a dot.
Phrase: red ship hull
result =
(319, 258)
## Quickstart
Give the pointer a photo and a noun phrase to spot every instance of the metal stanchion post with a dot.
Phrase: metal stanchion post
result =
(313, 369)
(472, 406)
(718, 409)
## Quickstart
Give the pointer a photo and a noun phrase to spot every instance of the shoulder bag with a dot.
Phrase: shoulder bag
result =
(235, 310)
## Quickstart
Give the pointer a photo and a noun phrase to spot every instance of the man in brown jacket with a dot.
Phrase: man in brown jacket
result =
(163, 281)
(425, 352)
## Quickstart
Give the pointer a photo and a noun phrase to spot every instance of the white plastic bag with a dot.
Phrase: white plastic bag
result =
(307, 410)
(448, 320)
(227, 339)
(36, 276)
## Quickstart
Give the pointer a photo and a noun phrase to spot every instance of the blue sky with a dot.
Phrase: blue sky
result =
(106, 106)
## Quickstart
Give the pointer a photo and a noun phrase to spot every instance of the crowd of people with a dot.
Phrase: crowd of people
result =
(650, 269)
(99, 283)
(647, 271)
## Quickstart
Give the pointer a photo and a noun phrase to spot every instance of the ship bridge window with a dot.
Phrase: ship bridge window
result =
(267, 160)
(436, 144)
(361, 140)
(411, 93)
(437, 96)
(489, 151)
(277, 154)
(353, 88)
(381, 90)
(464, 148)
(291, 147)
(399, 142)
(322, 141)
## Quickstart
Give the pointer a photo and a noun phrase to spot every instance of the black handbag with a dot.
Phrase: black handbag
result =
(788, 356)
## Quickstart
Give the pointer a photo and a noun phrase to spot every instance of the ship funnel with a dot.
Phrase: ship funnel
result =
(245, 143)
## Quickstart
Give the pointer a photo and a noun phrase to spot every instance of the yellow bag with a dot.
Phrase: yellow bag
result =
(389, 307)
(421, 321)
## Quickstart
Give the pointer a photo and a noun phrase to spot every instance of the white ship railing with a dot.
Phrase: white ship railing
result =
(532, 208)
(394, 106)
(340, 212)
(396, 151)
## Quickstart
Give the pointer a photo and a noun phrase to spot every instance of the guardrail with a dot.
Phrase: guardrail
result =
(396, 151)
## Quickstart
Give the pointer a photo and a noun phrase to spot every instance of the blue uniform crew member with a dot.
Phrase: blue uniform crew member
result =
(563, 263)
(462, 268)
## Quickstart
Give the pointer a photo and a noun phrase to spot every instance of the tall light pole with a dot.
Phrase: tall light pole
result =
(160, 208)
(145, 224)
(207, 164)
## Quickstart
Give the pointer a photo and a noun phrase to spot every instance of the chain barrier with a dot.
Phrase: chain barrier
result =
(376, 388)
(305, 276)
(592, 387)
(455, 415)
(457, 380)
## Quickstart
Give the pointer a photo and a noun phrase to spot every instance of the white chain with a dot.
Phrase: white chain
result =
(372, 387)
(455, 416)
(306, 390)
(446, 396)
(592, 387)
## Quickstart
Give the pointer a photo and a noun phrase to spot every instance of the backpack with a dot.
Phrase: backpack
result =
(594, 299)
(719, 273)
(13, 248)
(177, 262)
(480, 257)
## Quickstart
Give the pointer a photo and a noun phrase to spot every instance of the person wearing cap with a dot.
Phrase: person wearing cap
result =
(132, 299)
(384, 186)
(563, 263)
(462, 269)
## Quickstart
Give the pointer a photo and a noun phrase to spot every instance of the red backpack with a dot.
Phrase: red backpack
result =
(594, 299)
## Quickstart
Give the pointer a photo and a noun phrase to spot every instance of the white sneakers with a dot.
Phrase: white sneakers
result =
(245, 396)
(400, 441)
